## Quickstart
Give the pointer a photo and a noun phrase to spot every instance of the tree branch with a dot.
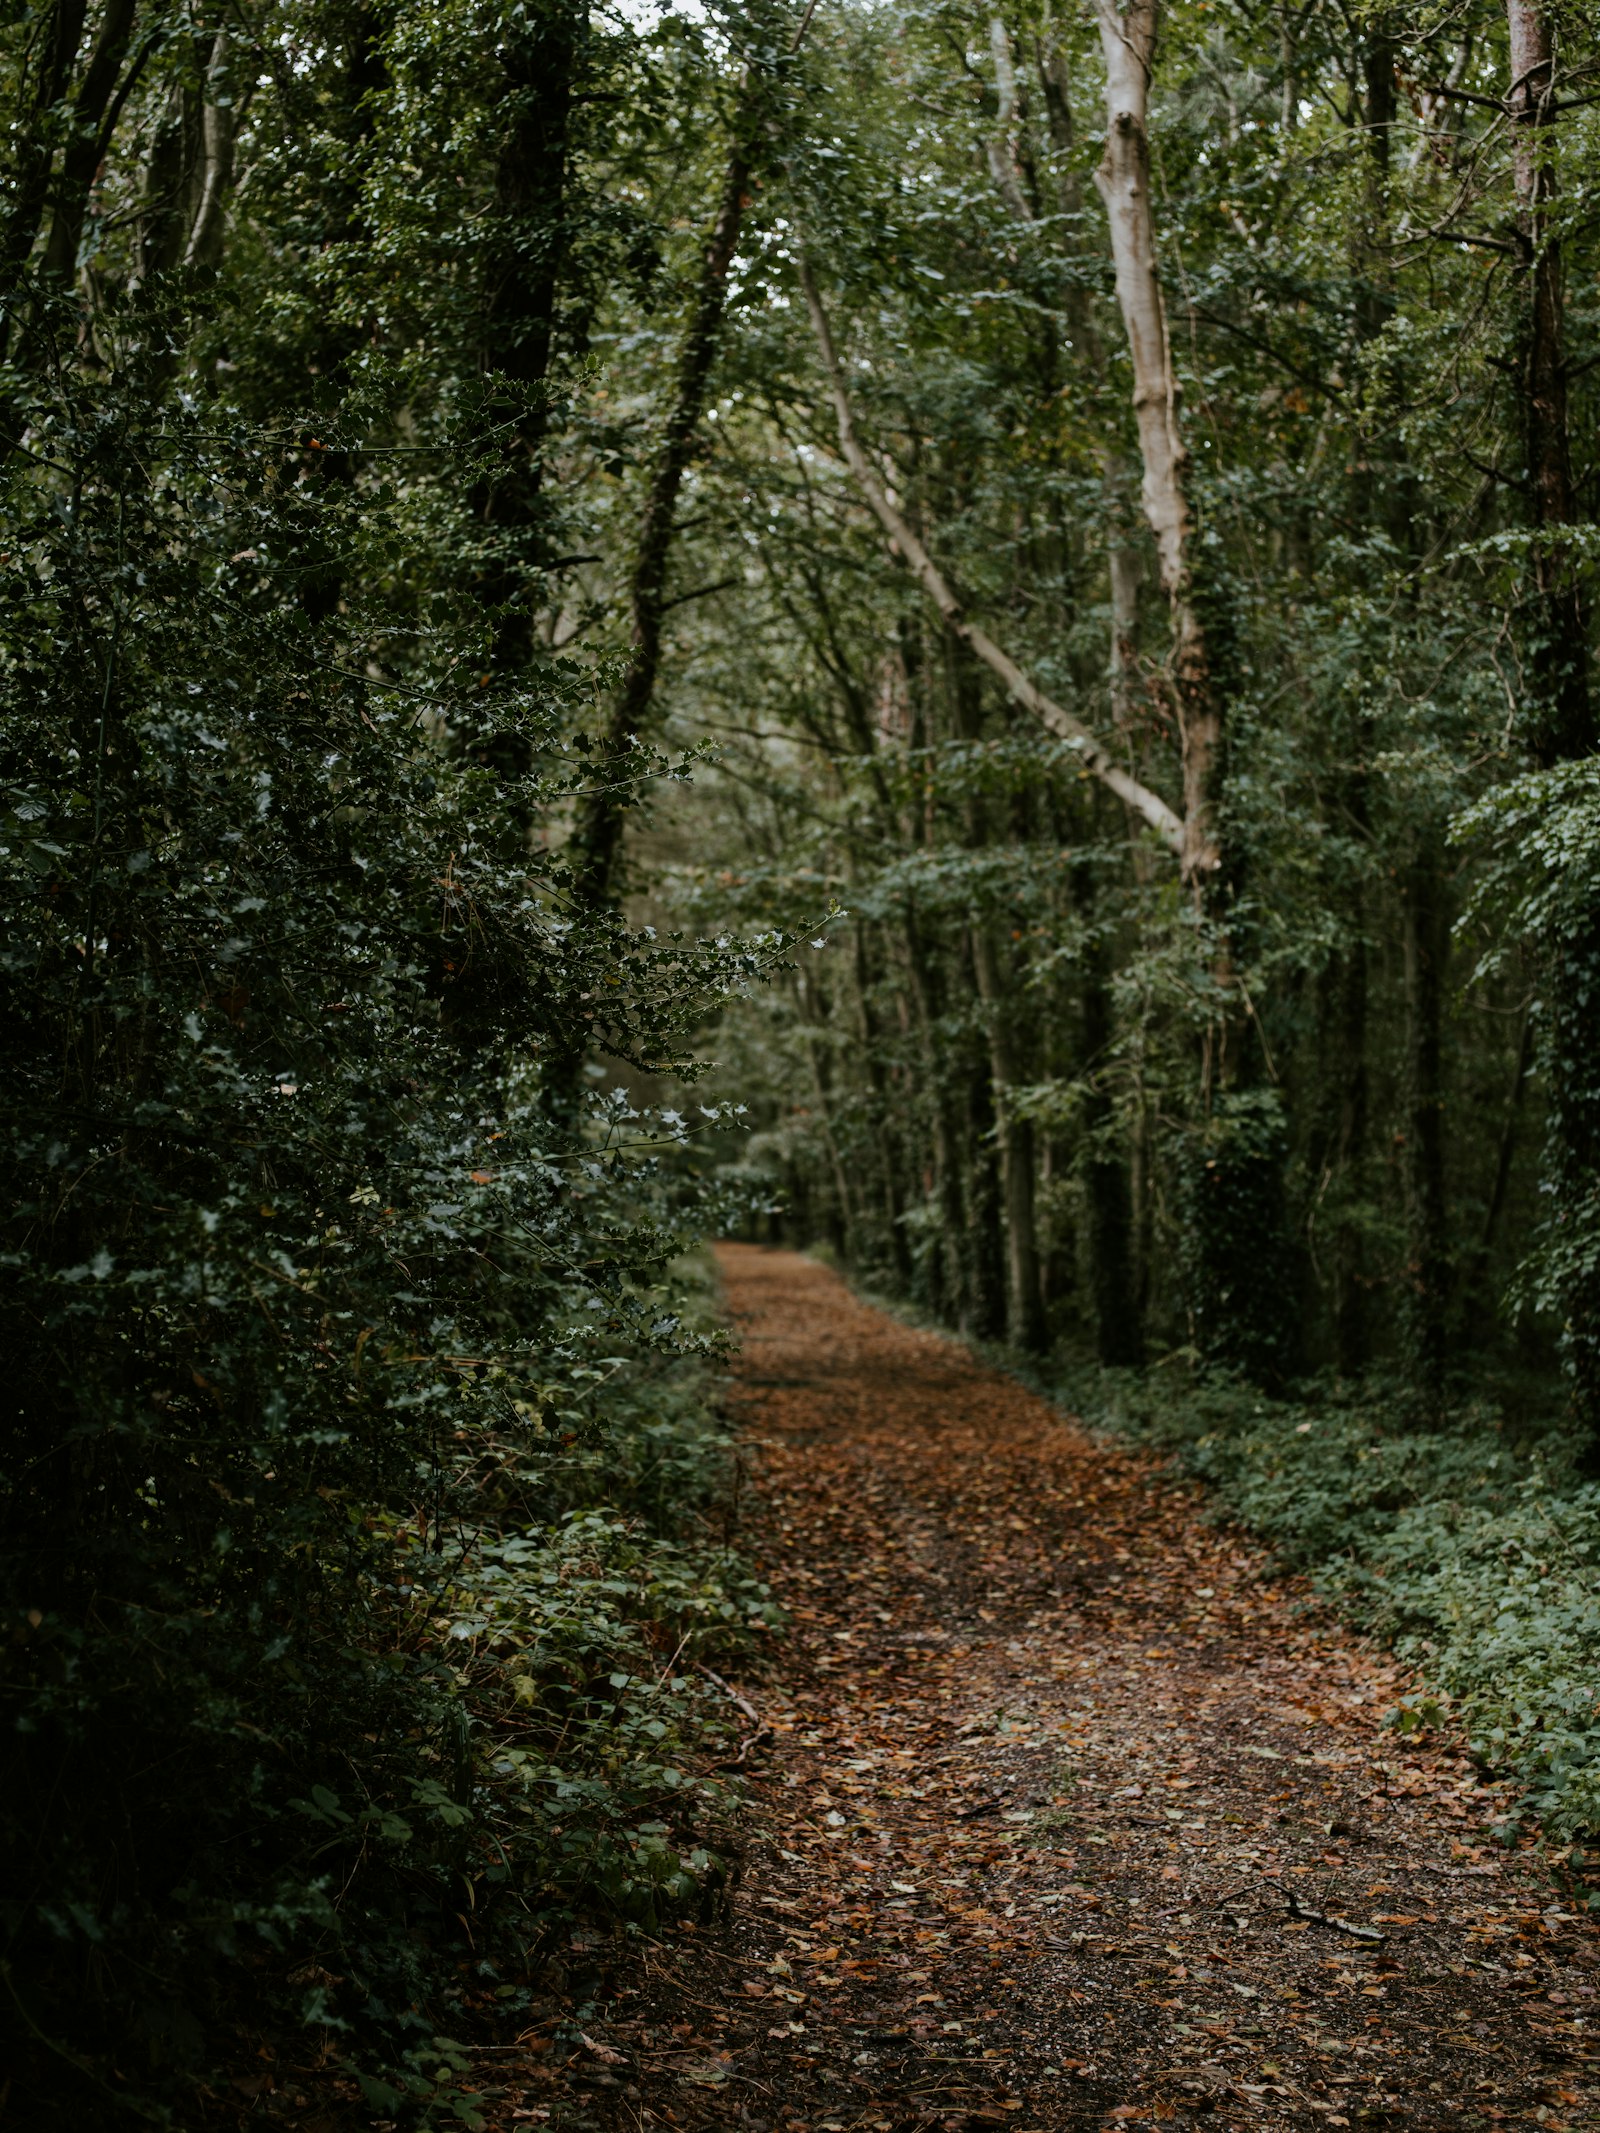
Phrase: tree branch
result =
(1096, 759)
(700, 592)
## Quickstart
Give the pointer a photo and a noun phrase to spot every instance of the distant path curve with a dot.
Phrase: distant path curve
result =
(1054, 1765)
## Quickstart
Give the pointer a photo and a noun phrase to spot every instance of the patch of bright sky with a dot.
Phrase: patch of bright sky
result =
(645, 14)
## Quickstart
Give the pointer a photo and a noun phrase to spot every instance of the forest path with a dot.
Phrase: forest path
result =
(1053, 1764)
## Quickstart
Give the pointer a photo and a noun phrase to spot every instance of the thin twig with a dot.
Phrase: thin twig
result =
(1334, 1925)
(734, 1696)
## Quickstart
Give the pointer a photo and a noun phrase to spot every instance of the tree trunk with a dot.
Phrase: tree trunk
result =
(56, 50)
(885, 1112)
(1095, 757)
(1564, 717)
(1382, 497)
(843, 1227)
(1119, 1327)
(350, 118)
(219, 120)
(94, 109)
(1481, 1298)
(1374, 295)
(1001, 147)
(1427, 1271)
(986, 1255)
(1058, 119)
(950, 1282)
(1374, 504)
(524, 262)
(1232, 1164)
(597, 838)
(1125, 572)
(1024, 1299)
(950, 1279)
(1119, 1330)
(1123, 178)
(167, 188)
(1352, 1347)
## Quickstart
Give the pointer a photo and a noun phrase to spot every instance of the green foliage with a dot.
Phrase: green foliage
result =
(363, 1498)
(360, 1496)
(1361, 579)
(358, 1427)
(1234, 1244)
(1543, 887)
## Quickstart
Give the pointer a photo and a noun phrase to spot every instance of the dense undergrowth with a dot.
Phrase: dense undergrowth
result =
(1474, 1548)
(359, 1539)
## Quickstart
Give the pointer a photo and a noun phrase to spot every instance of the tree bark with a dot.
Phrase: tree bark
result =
(523, 267)
(1024, 1298)
(1564, 723)
(1373, 505)
(1001, 146)
(844, 1225)
(950, 1285)
(1124, 563)
(57, 49)
(1119, 1327)
(986, 1254)
(1128, 40)
(598, 836)
(218, 121)
(1234, 1205)
(1125, 571)
(1428, 1269)
(1505, 1153)
(1350, 1287)
(1058, 120)
(167, 188)
(886, 1138)
(96, 101)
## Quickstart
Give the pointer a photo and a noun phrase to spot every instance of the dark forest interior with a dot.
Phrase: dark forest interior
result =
(963, 641)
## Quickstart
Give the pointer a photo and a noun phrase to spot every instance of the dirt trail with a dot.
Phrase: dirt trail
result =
(1054, 1766)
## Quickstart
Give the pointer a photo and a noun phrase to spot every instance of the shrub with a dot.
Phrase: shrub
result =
(351, 1572)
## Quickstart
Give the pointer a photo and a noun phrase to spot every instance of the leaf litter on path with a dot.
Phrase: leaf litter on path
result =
(1070, 1812)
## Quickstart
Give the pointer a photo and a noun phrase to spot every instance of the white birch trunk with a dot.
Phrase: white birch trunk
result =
(218, 123)
(1127, 40)
(1004, 166)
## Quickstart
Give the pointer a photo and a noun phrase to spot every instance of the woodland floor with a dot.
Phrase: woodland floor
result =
(1070, 1808)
